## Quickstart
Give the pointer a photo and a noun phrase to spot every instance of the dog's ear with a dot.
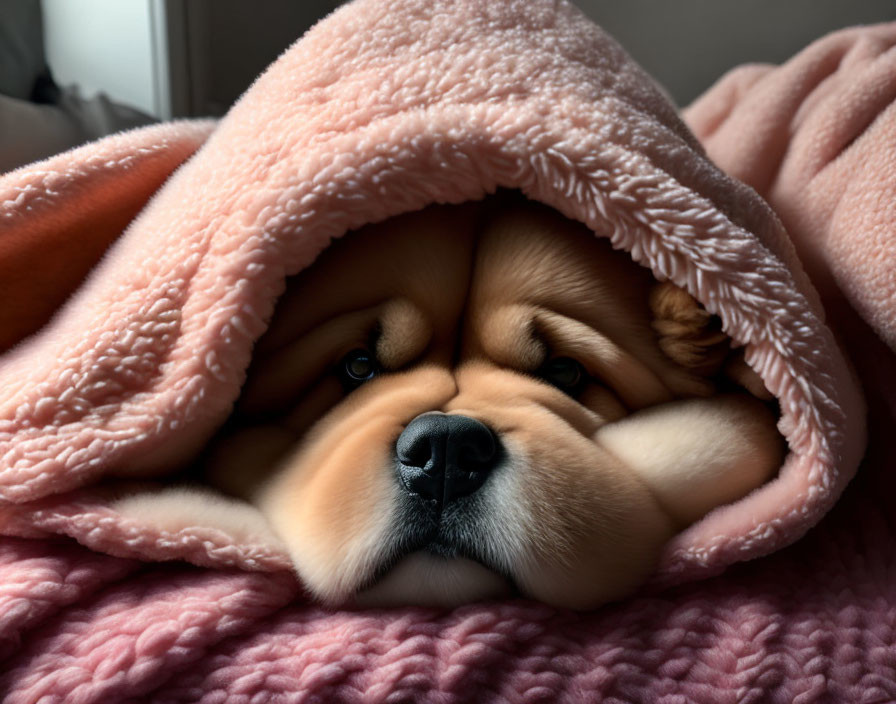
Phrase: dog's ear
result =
(58, 216)
(687, 333)
(692, 337)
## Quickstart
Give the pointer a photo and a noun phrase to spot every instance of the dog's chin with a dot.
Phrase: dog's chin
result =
(425, 579)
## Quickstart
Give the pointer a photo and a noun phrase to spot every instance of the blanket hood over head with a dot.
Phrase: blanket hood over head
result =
(381, 109)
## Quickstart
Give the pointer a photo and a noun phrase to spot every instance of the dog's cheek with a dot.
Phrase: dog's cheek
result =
(334, 505)
(335, 501)
(600, 529)
(586, 529)
(572, 524)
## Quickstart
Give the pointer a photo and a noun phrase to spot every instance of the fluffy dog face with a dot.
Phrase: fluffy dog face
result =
(454, 405)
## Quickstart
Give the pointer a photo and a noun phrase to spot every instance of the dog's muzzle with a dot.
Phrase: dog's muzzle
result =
(444, 457)
(442, 462)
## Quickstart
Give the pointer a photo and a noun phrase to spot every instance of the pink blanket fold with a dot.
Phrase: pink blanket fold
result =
(383, 108)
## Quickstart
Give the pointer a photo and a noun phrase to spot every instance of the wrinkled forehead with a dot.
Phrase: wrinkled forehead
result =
(453, 261)
(424, 256)
(531, 255)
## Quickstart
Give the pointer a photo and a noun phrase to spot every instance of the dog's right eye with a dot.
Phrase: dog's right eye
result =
(565, 373)
(357, 367)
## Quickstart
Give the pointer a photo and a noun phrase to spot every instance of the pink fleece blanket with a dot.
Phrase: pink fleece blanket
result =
(127, 336)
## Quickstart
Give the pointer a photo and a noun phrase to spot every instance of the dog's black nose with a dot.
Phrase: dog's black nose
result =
(444, 457)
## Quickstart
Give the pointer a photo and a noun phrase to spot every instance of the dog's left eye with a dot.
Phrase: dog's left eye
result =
(565, 373)
(357, 367)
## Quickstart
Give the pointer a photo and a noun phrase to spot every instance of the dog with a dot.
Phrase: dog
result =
(485, 400)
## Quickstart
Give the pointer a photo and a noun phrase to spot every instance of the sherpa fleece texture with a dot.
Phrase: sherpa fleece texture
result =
(383, 108)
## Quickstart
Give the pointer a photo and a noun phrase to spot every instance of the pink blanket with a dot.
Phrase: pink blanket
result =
(383, 108)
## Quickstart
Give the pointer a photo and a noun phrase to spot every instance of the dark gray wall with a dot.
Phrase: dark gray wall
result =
(685, 44)
(235, 40)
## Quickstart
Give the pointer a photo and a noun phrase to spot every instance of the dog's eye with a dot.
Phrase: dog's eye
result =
(357, 367)
(565, 373)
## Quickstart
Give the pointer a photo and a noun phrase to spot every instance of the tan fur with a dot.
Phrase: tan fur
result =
(179, 508)
(686, 332)
(462, 305)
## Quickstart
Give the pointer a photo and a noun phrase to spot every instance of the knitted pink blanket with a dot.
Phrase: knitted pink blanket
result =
(383, 108)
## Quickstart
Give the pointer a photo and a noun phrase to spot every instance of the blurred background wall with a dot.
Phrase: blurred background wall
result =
(223, 44)
(688, 44)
